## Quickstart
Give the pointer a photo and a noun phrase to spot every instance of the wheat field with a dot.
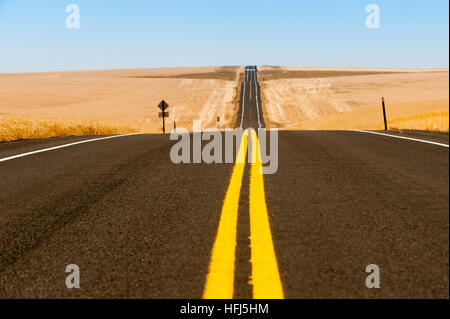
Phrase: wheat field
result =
(111, 100)
(335, 100)
(432, 121)
(18, 128)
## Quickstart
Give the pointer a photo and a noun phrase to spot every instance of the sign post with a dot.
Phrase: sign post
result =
(218, 122)
(163, 106)
(384, 114)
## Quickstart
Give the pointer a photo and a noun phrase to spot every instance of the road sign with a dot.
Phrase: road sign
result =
(163, 105)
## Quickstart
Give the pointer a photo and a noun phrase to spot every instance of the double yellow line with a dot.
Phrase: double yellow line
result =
(265, 275)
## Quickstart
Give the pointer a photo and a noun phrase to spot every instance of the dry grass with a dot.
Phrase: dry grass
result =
(232, 115)
(226, 73)
(351, 101)
(371, 118)
(270, 75)
(124, 97)
(432, 121)
(17, 128)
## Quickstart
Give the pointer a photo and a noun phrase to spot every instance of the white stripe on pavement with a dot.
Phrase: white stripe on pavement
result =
(62, 146)
(402, 137)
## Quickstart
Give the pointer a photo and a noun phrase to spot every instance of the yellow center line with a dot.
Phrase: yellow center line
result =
(220, 279)
(265, 275)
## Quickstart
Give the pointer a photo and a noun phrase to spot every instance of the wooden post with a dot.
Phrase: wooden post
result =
(164, 121)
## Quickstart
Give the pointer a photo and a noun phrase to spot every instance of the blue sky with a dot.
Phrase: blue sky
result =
(149, 33)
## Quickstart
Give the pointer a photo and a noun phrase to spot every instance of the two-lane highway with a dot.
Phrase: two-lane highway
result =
(140, 226)
(250, 112)
(136, 224)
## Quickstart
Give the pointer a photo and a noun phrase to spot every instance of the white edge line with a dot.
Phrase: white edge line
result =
(402, 137)
(62, 146)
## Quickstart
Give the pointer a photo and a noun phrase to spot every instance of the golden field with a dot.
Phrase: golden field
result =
(433, 121)
(350, 98)
(116, 100)
(18, 128)
(38, 105)
(371, 118)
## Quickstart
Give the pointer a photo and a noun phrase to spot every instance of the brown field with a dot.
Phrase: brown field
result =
(432, 121)
(371, 118)
(350, 98)
(269, 75)
(227, 73)
(121, 100)
(19, 128)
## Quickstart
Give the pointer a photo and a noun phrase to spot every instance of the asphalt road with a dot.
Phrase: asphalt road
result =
(141, 226)
(250, 113)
